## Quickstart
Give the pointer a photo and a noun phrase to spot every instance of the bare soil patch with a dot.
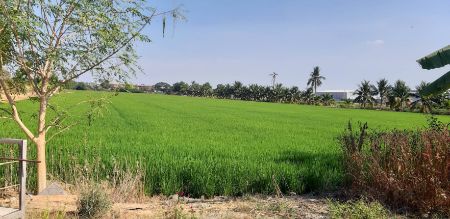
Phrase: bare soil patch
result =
(16, 97)
(306, 206)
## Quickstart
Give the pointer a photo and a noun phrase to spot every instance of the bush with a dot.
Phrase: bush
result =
(401, 168)
(359, 209)
(94, 202)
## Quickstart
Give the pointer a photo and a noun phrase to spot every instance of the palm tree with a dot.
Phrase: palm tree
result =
(424, 102)
(383, 89)
(237, 89)
(327, 99)
(294, 94)
(364, 93)
(400, 91)
(315, 79)
(278, 93)
(274, 78)
(307, 96)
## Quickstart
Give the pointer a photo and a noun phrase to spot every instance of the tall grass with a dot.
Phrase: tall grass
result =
(200, 146)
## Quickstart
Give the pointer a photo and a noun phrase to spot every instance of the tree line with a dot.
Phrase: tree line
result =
(399, 96)
(381, 95)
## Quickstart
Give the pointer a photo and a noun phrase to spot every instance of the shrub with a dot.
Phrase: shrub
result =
(94, 202)
(358, 209)
(401, 168)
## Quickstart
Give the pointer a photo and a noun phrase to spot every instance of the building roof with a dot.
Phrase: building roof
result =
(335, 91)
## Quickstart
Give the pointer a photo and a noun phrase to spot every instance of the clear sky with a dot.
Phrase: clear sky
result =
(227, 40)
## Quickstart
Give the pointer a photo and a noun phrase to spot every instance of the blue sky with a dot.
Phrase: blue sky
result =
(227, 40)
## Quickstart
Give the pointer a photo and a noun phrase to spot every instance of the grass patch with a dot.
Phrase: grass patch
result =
(360, 209)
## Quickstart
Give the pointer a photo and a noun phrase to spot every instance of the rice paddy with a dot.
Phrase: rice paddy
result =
(201, 146)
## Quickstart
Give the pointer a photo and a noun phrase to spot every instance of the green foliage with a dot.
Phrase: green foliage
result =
(364, 94)
(437, 59)
(70, 38)
(383, 90)
(315, 79)
(426, 103)
(399, 94)
(327, 99)
(203, 146)
(361, 209)
(5, 43)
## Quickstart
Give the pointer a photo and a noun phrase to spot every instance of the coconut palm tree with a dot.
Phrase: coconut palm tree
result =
(237, 89)
(274, 78)
(401, 92)
(383, 89)
(307, 96)
(315, 79)
(294, 95)
(364, 93)
(327, 99)
(425, 103)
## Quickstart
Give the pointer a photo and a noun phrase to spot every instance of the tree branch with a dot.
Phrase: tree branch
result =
(15, 113)
(21, 56)
(114, 52)
(61, 131)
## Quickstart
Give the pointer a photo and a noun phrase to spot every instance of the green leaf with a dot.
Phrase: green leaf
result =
(440, 85)
(436, 59)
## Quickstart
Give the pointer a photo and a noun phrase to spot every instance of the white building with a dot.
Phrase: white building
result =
(339, 94)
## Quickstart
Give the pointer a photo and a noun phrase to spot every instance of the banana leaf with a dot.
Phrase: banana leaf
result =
(436, 59)
(439, 86)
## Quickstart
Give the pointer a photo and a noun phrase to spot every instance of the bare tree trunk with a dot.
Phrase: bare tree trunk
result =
(41, 166)
(41, 144)
(381, 102)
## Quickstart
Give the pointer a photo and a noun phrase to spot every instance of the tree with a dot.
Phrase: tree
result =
(105, 84)
(327, 99)
(162, 87)
(237, 89)
(206, 90)
(194, 89)
(307, 96)
(294, 95)
(424, 102)
(315, 79)
(400, 93)
(278, 93)
(80, 86)
(180, 88)
(383, 90)
(364, 93)
(256, 92)
(274, 78)
(64, 40)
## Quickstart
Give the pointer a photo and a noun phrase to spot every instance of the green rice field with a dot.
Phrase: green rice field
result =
(202, 146)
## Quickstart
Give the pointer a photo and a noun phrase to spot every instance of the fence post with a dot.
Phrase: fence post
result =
(23, 175)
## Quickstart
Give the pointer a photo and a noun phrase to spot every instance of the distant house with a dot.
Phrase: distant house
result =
(144, 88)
(338, 94)
(115, 86)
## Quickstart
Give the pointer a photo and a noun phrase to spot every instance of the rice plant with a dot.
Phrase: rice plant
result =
(200, 146)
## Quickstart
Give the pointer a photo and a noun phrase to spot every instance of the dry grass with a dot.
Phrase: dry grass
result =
(408, 170)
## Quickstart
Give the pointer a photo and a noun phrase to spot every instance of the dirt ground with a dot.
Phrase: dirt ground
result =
(16, 97)
(306, 206)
